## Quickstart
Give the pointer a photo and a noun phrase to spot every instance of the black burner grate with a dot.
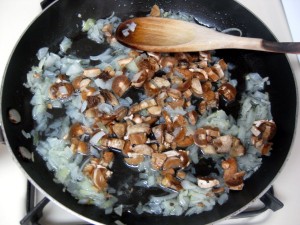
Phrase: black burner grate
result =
(35, 212)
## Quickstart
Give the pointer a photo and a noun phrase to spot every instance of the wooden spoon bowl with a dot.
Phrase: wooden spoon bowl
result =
(169, 35)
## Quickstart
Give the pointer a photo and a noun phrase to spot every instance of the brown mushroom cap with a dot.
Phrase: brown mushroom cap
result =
(232, 177)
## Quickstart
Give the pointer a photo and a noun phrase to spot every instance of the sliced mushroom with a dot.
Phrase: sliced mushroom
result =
(110, 97)
(168, 61)
(157, 160)
(232, 177)
(158, 132)
(94, 100)
(151, 89)
(179, 133)
(61, 90)
(192, 117)
(134, 160)
(223, 143)
(76, 82)
(212, 131)
(91, 72)
(150, 119)
(211, 74)
(120, 113)
(175, 103)
(139, 79)
(78, 146)
(263, 131)
(114, 143)
(107, 158)
(184, 158)
(147, 103)
(237, 148)
(106, 74)
(125, 61)
(217, 68)
(174, 93)
(155, 110)
(100, 177)
(120, 85)
(87, 91)
(267, 129)
(171, 182)
(206, 182)
(196, 87)
(200, 137)
(76, 130)
(143, 149)
(180, 174)
(138, 138)
(228, 92)
(119, 129)
(209, 149)
(187, 74)
(138, 128)
(185, 142)
(172, 162)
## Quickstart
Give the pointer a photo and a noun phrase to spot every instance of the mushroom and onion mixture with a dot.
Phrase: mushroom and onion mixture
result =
(159, 115)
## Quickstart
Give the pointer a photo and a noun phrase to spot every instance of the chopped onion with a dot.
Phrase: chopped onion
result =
(104, 57)
(96, 138)
(63, 90)
(42, 52)
(83, 106)
(74, 69)
(65, 44)
(119, 210)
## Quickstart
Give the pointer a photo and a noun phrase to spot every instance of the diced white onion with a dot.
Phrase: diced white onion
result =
(95, 139)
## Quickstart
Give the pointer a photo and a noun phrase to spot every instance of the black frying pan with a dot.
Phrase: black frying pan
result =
(61, 19)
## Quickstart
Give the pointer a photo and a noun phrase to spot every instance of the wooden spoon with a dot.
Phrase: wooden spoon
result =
(170, 35)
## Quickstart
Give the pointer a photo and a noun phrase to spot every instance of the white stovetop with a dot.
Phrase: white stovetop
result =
(16, 15)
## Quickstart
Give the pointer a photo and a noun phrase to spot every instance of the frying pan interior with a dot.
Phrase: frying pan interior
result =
(62, 19)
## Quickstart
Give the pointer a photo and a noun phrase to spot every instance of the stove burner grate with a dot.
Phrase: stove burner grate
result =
(35, 211)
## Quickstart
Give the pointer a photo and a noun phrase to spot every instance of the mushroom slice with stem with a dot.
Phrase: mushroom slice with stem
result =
(233, 178)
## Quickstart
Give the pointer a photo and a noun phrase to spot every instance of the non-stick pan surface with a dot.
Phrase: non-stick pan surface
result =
(61, 19)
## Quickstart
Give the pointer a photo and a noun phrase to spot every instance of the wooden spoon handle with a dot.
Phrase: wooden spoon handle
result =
(281, 47)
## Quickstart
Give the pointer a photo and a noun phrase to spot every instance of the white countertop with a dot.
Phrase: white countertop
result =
(16, 15)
